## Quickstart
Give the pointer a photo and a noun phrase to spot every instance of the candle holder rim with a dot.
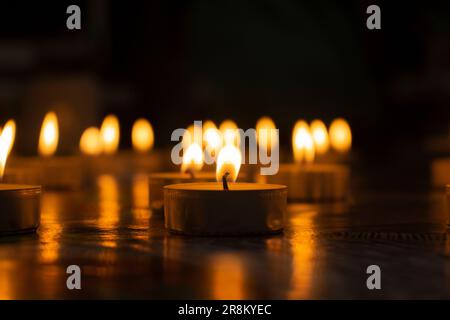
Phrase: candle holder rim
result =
(5, 187)
(267, 187)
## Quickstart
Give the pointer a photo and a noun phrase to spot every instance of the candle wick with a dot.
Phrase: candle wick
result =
(224, 181)
(190, 172)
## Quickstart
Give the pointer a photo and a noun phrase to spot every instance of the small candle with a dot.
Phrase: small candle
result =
(110, 134)
(225, 208)
(19, 204)
(306, 180)
(230, 134)
(100, 148)
(190, 172)
(47, 170)
(91, 142)
(142, 136)
(212, 138)
(340, 135)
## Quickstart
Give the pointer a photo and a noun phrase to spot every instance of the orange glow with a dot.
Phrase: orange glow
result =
(302, 143)
(192, 135)
(109, 206)
(213, 140)
(141, 191)
(303, 264)
(51, 207)
(230, 133)
(48, 139)
(142, 135)
(228, 161)
(91, 142)
(110, 134)
(208, 124)
(320, 136)
(265, 134)
(227, 277)
(7, 138)
(192, 159)
(340, 135)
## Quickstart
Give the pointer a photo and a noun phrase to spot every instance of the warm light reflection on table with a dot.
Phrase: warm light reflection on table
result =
(227, 277)
(303, 250)
(109, 208)
(125, 252)
(51, 210)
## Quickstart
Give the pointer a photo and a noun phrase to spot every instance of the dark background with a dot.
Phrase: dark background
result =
(177, 61)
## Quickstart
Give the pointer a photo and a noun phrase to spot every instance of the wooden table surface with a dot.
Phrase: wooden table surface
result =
(124, 251)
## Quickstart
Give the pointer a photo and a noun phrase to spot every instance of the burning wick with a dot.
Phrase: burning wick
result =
(190, 172)
(224, 181)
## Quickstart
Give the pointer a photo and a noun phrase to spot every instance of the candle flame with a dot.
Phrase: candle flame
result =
(320, 136)
(110, 134)
(142, 136)
(340, 135)
(48, 139)
(91, 142)
(192, 158)
(213, 139)
(208, 124)
(192, 135)
(228, 161)
(230, 133)
(265, 133)
(6, 143)
(302, 143)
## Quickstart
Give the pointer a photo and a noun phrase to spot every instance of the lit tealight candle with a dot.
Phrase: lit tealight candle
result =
(306, 180)
(265, 134)
(320, 137)
(230, 133)
(110, 134)
(225, 208)
(48, 170)
(91, 142)
(142, 136)
(191, 165)
(212, 138)
(340, 135)
(19, 204)
(49, 137)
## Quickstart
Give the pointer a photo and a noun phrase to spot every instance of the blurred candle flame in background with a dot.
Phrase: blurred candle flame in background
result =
(142, 136)
(91, 142)
(49, 136)
(110, 134)
(228, 160)
(192, 135)
(208, 124)
(229, 130)
(340, 135)
(302, 143)
(320, 136)
(213, 140)
(265, 133)
(192, 159)
(7, 138)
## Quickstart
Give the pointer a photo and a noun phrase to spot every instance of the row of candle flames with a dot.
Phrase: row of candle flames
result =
(307, 139)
